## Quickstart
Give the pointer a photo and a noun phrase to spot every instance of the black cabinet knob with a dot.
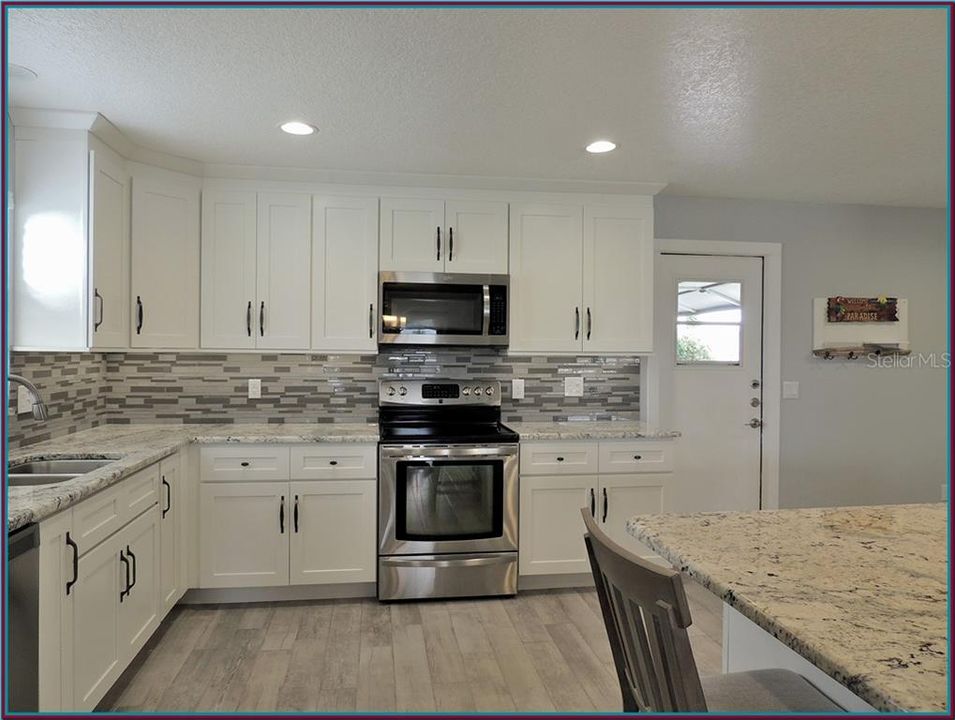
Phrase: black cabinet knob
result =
(333, 462)
(244, 464)
(637, 457)
(560, 459)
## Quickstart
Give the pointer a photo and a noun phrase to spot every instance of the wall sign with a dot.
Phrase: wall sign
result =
(856, 309)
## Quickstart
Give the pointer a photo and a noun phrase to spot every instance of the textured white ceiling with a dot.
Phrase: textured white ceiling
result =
(823, 105)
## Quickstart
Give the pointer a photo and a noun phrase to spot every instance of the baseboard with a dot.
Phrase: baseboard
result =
(548, 582)
(205, 596)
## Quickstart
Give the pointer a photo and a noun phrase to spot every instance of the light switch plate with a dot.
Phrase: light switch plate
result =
(255, 389)
(790, 389)
(517, 389)
(24, 400)
(574, 386)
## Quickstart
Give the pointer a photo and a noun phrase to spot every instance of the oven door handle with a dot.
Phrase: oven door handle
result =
(458, 561)
(417, 457)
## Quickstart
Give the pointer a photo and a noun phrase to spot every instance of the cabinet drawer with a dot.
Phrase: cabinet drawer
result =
(142, 491)
(635, 457)
(99, 516)
(563, 458)
(218, 464)
(334, 462)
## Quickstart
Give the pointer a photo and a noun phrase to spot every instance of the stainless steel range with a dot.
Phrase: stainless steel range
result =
(447, 491)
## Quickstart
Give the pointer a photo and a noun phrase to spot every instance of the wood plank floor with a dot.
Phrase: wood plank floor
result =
(539, 651)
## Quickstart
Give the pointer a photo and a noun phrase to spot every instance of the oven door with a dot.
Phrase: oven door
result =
(447, 499)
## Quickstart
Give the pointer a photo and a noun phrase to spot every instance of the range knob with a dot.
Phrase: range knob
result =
(476, 390)
(465, 391)
(391, 390)
(489, 390)
(402, 391)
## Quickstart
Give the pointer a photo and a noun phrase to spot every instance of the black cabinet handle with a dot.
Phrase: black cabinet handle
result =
(560, 459)
(593, 503)
(262, 319)
(371, 320)
(125, 591)
(248, 319)
(333, 462)
(439, 242)
(102, 308)
(450, 244)
(576, 323)
(605, 506)
(638, 457)
(168, 496)
(295, 514)
(140, 315)
(282, 515)
(133, 558)
(590, 323)
(76, 563)
(244, 463)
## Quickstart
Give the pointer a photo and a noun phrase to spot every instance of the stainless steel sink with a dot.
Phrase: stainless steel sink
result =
(59, 466)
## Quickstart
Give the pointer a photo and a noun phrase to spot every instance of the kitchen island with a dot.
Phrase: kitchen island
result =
(852, 596)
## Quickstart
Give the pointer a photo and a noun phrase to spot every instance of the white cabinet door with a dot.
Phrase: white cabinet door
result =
(620, 497)
(618, 280)
(546, 281)
(551, 528)
(170, 533)
(283, 271)
(139, 608)
(228, 269)
(334, 531)
(412, 235)
(344, 273)
(109, 250)
(55, 676)
(96, 646)
(477, 237)
(243, 539)
(165, 262)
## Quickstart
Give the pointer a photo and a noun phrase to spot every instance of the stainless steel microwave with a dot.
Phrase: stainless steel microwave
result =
(442, 309)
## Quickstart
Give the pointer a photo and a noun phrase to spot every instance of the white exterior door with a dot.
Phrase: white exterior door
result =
(546, 250)
(477, 237)
(412, 235)
(109, 247)
(170, 533)
(551, 528)
(344, 273)
(709, 346)
(165, 262)
(228, 269)
(139, 610)
(618, 280)
(243, 534)
(334, 531)
(283, 278)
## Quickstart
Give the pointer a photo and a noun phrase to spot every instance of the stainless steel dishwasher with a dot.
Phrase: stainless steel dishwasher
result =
(23, 555)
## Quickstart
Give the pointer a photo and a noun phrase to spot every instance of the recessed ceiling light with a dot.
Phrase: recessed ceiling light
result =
(601, 146)
(294, 127)
(19, 72)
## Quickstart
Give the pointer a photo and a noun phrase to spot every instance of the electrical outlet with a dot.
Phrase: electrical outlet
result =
(255, 389)
(574, 386)
(790, 389)
(24, 400)
(517, 389)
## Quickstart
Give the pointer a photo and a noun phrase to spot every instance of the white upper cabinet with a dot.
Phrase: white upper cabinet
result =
(228, 269)
(457, 236)
(546, 282)
(109, 250)
(164, 290)
(344, 273)
(618, 280)
(411, 235)
(283, 274)
(477, 237)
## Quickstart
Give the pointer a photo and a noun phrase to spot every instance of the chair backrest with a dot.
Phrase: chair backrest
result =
(646, 614)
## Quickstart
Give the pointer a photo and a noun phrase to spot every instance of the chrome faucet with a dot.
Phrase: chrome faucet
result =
(39, 407)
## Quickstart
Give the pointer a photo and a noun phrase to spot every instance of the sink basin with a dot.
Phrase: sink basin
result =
(30, 480)
(59, 466)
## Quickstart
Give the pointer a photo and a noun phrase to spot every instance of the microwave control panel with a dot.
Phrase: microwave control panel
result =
(498, 320)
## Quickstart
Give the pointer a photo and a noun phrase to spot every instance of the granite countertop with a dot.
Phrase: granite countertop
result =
(860, 592)
(134, 447)
(590, 430)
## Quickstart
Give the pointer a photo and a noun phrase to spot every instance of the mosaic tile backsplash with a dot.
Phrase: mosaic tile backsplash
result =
(206, 387)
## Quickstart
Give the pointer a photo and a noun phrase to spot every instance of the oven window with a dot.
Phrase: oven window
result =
(428, 309)
(447, 500)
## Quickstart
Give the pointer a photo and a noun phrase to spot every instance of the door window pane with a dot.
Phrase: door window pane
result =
(709, 322)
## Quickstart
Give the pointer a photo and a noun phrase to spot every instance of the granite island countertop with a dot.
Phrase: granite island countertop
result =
(860, 592)
(133, 447)
(590, 430)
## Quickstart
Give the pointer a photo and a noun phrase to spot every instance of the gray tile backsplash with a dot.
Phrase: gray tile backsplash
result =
(87, 389)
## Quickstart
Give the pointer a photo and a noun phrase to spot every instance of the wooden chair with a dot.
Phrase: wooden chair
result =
(646, 613)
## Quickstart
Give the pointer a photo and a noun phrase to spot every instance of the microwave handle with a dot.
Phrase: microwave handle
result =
(487, 310)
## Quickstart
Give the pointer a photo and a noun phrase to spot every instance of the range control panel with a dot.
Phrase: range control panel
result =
(439, 392)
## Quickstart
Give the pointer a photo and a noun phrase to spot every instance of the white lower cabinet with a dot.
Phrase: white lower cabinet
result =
(243, 534)
(139, 606)
(551, 526)
(171, 565)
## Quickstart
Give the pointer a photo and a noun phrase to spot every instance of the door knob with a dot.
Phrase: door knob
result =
(755, 423)
(754, 384)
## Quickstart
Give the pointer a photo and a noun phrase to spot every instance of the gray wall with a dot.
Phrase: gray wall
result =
(857, 434)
